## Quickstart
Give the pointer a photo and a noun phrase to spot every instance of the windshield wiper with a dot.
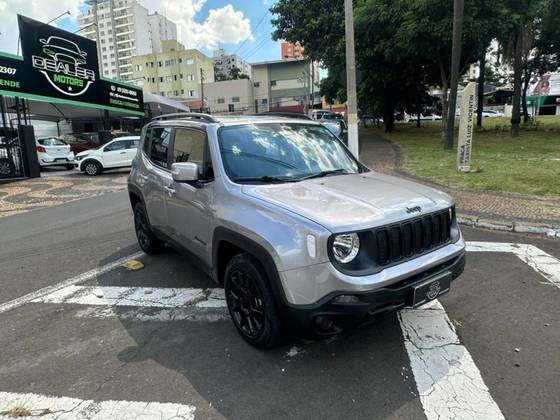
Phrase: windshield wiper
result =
(265, 178)
(324, 173)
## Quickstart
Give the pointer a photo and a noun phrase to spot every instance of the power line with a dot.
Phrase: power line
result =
(254, 29)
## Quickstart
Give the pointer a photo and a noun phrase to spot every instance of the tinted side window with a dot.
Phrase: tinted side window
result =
(190, 146)
(159, 145)
(118, 145)
(132, 144)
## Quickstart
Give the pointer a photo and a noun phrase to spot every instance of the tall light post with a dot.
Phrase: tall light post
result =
(351, 80)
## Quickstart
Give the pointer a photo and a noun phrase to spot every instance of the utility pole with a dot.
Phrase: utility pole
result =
(458, 7)
(201, 90)
(352, 109)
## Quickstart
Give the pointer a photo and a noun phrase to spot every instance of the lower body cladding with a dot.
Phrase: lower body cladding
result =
(345, 307)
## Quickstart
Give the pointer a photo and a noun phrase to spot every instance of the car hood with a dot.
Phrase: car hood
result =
(352, 202)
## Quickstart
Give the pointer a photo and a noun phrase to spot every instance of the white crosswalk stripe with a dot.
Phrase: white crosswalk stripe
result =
(45, 407)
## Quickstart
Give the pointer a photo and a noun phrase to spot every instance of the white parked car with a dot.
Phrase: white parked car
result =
(53, 151)
(118, 153)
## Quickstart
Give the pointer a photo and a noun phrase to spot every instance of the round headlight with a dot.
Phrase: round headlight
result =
(346, 247)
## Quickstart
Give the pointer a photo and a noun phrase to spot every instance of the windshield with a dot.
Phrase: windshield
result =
(285, 152)
(51, 142)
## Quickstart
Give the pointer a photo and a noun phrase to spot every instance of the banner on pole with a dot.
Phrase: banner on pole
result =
(466, 127)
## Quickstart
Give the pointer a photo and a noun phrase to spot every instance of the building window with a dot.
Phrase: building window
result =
(161, 79)
(231, 107)
(159, 64)
(169, 93)
(168, 78)
(180, 60)
(190, 61)
(181, 76)
(264, 101)
(190, 77)
(138, 67)
(182, 91)
(257, 84)
(175, 77)
(273, 83)
(235, 99)
(192, 93)
(175, 93)
(162, 93)
(104, 49)
(221, 100)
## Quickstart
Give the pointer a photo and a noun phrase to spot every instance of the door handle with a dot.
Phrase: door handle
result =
(123, 153)
(170, 191)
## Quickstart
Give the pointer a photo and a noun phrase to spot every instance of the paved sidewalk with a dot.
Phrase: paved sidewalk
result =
(21, 196)
(484, 209)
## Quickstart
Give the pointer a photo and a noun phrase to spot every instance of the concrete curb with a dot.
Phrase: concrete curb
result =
(508, 225)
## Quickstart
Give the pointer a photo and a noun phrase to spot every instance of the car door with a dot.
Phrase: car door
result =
(131, 149)
(115, 154)
(154, 174)
(189, 204)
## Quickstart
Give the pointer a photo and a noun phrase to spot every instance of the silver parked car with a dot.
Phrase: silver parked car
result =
(298, 231)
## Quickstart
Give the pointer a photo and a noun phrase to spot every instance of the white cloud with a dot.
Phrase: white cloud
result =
(42, 10)
(224, 25)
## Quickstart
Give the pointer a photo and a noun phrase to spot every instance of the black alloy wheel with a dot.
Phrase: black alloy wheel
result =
(148, 242)
(246, 303)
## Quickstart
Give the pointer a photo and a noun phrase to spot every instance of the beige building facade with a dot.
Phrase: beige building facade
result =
(176, 72)
(230, 97)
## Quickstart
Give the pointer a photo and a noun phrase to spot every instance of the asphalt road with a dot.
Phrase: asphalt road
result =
(506, 316)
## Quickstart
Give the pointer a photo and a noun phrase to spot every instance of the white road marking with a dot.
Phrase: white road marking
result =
(80, 278)
(155, 314)
(60, 408)
(150, 297)
(543, 263)
(448, 381)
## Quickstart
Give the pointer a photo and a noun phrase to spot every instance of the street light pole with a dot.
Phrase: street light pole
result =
(351, 80)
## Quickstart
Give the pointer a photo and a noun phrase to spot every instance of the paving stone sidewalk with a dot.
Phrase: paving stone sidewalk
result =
(21, 196)
(485, 209)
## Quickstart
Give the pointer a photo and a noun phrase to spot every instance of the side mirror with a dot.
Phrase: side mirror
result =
(184, 172)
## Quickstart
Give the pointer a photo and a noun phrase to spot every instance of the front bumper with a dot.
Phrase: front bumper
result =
(327, 317)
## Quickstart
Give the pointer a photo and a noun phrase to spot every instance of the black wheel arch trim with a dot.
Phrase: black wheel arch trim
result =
(86, 161)
(222, 234)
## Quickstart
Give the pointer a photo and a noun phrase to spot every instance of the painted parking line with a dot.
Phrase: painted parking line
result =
(449, 383)
(80, 278)
(49, 408)
(155, 297)
(544, 264)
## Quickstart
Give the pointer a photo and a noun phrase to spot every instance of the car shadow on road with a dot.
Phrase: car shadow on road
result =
(365, 370)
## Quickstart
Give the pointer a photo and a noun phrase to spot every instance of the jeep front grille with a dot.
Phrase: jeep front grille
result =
(413, 237)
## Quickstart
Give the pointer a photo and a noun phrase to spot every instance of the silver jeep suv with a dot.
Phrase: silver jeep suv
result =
(302, 236)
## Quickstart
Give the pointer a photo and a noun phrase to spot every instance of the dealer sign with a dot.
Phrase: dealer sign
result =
(59, 66)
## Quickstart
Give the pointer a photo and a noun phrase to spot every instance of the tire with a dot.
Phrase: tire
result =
(7, 168)
(250, 302)
(92, 168)
(69, 167)
(147, 240)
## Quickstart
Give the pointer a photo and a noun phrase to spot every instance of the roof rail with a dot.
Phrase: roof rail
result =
(187, 116)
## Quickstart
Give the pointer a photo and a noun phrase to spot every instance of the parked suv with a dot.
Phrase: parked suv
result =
(298, 231)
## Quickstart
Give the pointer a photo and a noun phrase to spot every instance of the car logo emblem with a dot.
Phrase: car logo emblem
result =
(433, 290)
(416, 209)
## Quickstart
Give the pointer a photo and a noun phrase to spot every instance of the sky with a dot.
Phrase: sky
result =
(240, 26)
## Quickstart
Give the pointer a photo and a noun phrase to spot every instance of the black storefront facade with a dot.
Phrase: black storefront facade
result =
(56, 78)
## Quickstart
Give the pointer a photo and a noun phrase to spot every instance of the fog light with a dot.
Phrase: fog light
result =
(346, 299)
(323, 323)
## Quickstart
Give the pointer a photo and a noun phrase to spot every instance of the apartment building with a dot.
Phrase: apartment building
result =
(123, 29)
(285, 85)
(175, 72)
(292, 51)
(224, 62)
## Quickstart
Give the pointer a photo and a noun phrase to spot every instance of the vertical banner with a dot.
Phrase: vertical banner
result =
(466, 127)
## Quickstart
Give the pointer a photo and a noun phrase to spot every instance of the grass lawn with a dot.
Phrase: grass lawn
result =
(528, 165)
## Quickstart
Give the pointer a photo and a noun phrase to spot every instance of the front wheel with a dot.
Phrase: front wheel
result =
(92, 168)
(250, 302)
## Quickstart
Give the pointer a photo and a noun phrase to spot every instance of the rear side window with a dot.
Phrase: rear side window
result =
(132, 144)
(51, 142)
(117, 145)
(159, 145)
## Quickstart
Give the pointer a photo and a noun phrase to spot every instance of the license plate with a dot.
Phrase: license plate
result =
(61, 160)
(431, 289)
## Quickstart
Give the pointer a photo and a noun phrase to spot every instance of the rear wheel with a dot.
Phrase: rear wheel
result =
(148, 242)
(92, 168)
(250, 302)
